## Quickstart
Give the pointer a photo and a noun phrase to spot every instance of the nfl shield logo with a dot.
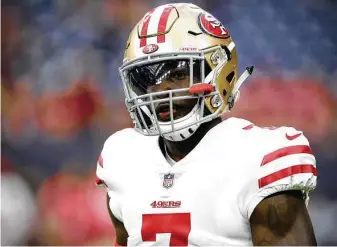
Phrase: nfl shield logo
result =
(168, 180)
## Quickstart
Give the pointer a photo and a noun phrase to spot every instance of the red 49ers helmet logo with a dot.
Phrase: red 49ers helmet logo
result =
(212, 26)
(151, 48)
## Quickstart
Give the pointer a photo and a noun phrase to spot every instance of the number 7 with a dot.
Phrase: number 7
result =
(178, 224)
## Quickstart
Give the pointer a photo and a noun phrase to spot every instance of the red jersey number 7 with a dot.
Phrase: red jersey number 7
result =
(178, 224)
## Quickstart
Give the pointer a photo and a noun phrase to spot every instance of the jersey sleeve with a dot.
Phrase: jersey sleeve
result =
(107, 171)
(286, 162)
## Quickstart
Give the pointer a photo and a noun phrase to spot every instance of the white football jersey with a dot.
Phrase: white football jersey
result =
(207, 197)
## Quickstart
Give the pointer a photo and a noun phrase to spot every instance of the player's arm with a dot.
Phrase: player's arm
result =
(121, 233)
(282, 219)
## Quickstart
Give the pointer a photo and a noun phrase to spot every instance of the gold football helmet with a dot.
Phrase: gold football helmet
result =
(179, 37)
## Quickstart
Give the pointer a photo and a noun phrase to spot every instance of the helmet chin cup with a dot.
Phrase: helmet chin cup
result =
(182, 128)
(182, 134)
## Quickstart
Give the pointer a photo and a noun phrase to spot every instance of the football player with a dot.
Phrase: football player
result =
(183, 177)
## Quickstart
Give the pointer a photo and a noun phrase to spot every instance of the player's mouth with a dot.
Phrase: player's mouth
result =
(163, 111)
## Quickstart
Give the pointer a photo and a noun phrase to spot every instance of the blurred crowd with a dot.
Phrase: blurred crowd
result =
(61, 97)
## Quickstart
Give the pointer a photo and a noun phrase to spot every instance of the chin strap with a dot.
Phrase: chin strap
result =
(234, 97)
(249, 70)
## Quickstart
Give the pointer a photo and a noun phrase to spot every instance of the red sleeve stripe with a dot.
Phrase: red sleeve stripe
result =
(299, 149)
(100, 161)
(248, 127)
(162, 24)
(99, 181)
(145, 27)
(286, 172)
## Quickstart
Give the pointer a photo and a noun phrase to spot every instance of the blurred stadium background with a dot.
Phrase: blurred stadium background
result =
(61, 98)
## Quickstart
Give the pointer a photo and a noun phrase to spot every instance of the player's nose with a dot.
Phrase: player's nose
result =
(160, 87)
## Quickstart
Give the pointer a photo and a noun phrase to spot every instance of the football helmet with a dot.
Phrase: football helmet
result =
(185, 38)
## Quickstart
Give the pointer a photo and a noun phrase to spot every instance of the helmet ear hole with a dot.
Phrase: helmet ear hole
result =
(227, 51)
(230, 76)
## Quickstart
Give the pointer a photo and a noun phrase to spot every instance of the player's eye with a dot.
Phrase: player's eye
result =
(180, 75)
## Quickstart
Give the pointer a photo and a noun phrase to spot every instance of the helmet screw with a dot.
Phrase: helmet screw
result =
(215, 101)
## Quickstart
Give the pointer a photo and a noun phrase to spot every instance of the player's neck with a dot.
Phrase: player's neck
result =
(178, 150)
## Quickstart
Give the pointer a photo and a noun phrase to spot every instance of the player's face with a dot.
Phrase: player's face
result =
(163, 76)
(180, 107)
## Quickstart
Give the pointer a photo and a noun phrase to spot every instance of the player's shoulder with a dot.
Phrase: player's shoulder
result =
(121, 137)
(229, 128)
(122, 141)
(268, 137)
(275, 159)
(267, 148)
(118, 146)
(126, 146)
(115, 154)
(234, 123)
